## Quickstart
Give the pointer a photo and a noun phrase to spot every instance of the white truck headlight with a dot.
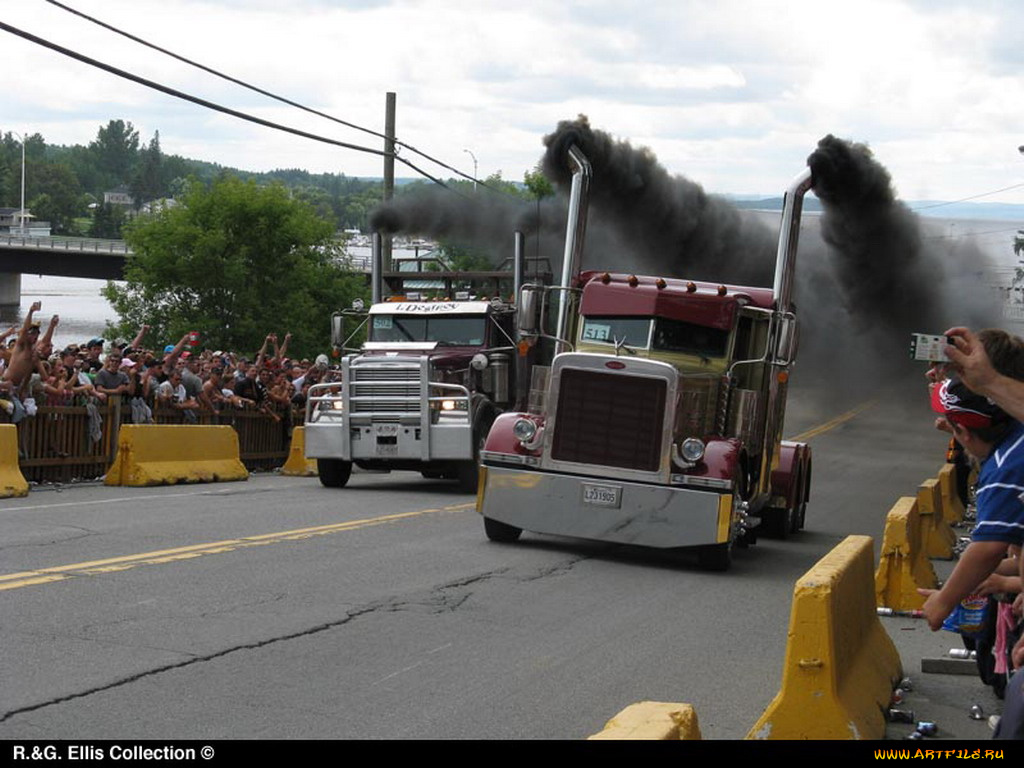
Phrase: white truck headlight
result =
(524, 430)
(692, 449)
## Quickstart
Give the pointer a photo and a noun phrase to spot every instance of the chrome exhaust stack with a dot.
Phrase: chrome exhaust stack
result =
(789, 235)
(518, 265)
(575, 229)
(376, 269)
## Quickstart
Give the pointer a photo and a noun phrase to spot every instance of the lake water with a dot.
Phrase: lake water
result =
(83, 311)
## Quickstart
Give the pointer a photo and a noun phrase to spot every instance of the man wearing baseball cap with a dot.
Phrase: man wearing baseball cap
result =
(996, 440)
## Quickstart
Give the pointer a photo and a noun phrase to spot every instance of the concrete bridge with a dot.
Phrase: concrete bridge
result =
(66, 256)
(78, 257)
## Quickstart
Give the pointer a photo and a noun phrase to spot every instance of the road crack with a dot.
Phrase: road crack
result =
(444, 598)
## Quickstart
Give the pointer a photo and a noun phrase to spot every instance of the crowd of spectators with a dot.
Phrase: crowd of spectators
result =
(182, 377)
(980, 399)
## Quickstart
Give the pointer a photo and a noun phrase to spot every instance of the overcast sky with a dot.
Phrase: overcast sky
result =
(733, 94)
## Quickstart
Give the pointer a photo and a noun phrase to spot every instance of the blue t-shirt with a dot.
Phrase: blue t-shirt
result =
(1000, 485)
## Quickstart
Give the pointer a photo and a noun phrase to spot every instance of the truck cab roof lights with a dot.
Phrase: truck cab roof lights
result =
(606, 278)
(634, 281)
(691, 287)
(660, 283)
(722, 290)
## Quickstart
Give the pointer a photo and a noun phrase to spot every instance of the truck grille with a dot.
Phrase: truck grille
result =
(612, 420)
(385, 389)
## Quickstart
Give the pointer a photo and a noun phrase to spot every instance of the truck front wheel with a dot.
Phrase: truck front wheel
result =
(501, 532)
(334, 473)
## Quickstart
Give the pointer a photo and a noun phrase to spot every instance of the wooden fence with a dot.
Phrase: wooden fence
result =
(55, 444)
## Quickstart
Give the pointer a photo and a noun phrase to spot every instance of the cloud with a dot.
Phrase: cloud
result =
(724, 91)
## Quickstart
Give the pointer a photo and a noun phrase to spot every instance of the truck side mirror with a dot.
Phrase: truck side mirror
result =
(337, 330)
(789, 340)
(528, 316)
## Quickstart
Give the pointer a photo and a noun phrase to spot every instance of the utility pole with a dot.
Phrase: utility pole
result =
(389, 173)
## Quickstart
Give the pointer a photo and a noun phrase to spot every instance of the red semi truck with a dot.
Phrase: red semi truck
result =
(659, 421)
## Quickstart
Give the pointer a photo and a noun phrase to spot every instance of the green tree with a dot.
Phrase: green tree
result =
(234, 262)
(148, 180)
(54, 195)
(115, 152)
(461, 258)
(538, 184)
(107, 221)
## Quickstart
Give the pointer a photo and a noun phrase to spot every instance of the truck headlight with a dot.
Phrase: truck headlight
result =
(449, 409)
(692, 449)
(524, 430)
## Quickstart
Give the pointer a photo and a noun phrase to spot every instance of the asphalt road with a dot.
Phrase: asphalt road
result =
(275, 608)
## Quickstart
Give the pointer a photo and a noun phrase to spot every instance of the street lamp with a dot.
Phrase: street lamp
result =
(21, 213)
(474, 166)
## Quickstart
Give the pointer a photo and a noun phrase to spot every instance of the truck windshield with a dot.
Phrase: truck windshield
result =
(631, 331)
(468, 331)
(677, 336)
(668, 335)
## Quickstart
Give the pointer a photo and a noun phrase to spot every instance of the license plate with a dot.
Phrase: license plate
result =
(387, 449)
(602, 495)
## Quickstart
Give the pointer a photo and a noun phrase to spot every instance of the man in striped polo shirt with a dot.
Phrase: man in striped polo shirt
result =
(996, 440)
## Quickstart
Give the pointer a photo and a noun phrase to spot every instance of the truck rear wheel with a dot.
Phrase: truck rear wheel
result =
(334, 473)
(501, 532)
(777, 522)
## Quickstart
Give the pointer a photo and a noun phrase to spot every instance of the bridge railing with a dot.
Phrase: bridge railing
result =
(355, 261)
(57, 243)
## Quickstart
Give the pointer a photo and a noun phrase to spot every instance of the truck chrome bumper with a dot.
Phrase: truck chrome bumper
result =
(605, 510)
(337, 440)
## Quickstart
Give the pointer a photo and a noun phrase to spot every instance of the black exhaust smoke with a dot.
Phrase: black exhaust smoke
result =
(660, 224)
(861, 289)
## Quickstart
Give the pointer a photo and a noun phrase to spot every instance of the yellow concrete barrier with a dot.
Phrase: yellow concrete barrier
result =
(841, 666)
(12, 482)
(938, 538)
(903, 565)
(159, 454)
(652, 720)
(297, 463)
(952, 507)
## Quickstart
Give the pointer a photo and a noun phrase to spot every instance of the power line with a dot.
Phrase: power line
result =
(208, 104)
(259, 90)
(972, 234)
(965, 199)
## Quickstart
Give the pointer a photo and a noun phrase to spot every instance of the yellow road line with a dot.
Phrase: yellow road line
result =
(841, 419)
(117, 564)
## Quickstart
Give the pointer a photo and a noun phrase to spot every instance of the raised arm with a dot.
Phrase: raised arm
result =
(972, 364)
(137, 341)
